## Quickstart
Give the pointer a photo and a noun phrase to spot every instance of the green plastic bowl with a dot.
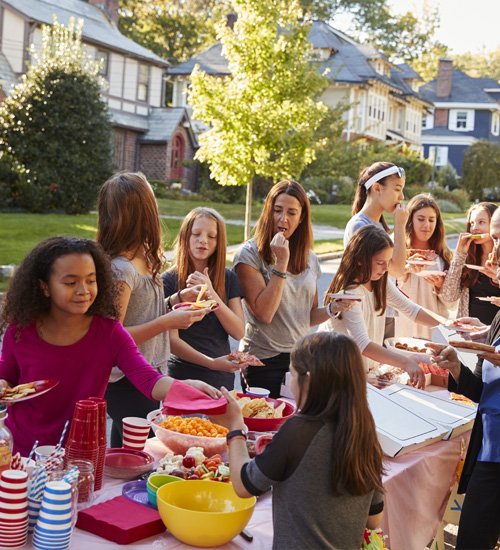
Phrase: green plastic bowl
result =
(155, 481)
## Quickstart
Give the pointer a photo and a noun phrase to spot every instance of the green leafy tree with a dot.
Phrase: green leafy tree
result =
(54, 128)
(262, 117)
(480, 64)
(174, 30)
(480, 168)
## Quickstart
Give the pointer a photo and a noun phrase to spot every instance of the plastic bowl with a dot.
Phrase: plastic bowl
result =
(268, 424)
(179, 443)
(203, 514)
(155, 481)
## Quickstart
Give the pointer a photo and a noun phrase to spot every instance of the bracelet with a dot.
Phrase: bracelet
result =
(331, 314)
(281, 274)
(169, 303)
(179, 297)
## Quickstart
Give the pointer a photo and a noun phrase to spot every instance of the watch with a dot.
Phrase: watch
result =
(237, 433)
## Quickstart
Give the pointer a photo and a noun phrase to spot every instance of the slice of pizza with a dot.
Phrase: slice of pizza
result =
(414, 253)
(243, 357)
(472, 346)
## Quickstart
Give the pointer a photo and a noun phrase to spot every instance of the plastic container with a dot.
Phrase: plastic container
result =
(6, 441)
(85, 482)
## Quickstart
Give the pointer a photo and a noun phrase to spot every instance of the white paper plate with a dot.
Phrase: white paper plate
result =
(463, 328)
(431, 272)
(418, 342)
(421, 262)
(473, 266)
(487, 298)
(347, 296)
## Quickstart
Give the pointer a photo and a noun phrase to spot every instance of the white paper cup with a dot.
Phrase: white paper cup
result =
(258, 392)
(135, 432)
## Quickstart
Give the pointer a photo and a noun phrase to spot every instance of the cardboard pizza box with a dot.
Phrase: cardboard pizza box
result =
(455, 417)
(399, 429)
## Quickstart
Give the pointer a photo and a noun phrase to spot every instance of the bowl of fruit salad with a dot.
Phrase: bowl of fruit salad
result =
(180, 433)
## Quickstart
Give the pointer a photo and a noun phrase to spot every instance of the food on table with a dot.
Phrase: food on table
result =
(11, 394)
(464, 327)
(195, 425)
(243, 357)
(461, 399)
(388, 375)
(258, 408)
(433, 369)
(472, 346)
(194, 465)
(478, 236)
(408, 347)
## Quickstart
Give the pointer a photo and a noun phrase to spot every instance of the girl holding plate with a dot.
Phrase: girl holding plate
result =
(427, 253)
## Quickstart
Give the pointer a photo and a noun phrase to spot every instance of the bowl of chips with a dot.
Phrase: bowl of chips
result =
(179, 433)
(264, 414)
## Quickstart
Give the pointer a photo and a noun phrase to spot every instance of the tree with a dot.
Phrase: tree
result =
(54, 128)
(175, 30)
(480, 64)
(263, 116)
(480, 167)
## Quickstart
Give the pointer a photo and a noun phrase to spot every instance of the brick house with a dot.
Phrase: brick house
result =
(466, 109)
(135, 80)
(384, 100)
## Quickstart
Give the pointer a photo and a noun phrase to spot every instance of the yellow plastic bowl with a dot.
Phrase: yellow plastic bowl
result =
(203, 514)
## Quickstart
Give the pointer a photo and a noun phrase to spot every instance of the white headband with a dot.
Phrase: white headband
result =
(384, 173)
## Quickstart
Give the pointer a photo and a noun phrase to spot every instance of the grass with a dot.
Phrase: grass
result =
(20, 232)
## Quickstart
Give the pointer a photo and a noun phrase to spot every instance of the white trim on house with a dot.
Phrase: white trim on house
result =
(492, 90)
(458, 105)
(448, 140)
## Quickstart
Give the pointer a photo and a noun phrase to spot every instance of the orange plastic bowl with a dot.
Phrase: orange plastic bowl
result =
(179, 443)
(268, 424)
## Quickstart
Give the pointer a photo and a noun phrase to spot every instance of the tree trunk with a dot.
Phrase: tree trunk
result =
(248, 210)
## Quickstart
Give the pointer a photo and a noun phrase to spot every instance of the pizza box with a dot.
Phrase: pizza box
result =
(399, 429)
(455, 417)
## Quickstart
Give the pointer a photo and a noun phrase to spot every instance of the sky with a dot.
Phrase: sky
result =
(466, 25)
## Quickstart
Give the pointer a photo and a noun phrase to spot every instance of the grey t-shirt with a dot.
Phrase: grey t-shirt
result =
(306, 513)
(292, 318)
(147, 302)
(358, 221)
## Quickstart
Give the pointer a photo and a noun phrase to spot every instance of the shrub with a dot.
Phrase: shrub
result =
(56, 127)
(448, 207)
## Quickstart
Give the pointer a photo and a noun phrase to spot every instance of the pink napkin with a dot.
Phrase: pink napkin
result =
(184, 399)
(121, 520)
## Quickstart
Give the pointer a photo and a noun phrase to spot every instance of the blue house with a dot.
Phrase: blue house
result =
(466, 110)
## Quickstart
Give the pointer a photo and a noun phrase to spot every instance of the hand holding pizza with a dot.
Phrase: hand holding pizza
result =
(445, 357)
(197, 279)
(463, 244)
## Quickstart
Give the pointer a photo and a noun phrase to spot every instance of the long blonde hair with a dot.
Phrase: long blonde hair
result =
(183, 264)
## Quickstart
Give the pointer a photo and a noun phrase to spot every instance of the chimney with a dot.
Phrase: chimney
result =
(109, 7)
(444, 78)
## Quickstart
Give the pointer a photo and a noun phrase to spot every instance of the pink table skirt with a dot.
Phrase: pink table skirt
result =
(417, 488)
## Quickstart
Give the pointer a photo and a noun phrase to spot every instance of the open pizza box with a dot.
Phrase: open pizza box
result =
(399, 429)
(455, 417)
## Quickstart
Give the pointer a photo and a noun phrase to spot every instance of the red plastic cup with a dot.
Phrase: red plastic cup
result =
(135, 432)
(101, 418)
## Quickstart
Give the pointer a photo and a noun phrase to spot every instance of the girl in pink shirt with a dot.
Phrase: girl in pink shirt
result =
(60, 322)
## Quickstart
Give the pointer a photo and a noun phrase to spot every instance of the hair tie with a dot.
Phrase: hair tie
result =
(383, 174)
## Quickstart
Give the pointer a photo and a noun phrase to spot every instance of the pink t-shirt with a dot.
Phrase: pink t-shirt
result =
(82, 369)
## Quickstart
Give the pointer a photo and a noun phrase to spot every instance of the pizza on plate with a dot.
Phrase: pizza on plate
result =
(243, 357)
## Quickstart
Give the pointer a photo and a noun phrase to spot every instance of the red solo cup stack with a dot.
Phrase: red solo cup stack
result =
(13, 509)
(83, 435)
(135, 432)
(101, 440)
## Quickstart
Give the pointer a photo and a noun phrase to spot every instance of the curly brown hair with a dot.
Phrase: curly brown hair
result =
(25, 301)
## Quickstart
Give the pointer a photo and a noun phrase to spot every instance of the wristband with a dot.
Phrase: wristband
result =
(169, 303)
(237, 433)
(281, 274)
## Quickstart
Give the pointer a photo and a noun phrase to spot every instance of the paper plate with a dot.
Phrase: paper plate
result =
(462, 327)
(346, 296)
(138, 492)
(432, 272)
(473, 266)
(421, 262)
(487, 298)
(127, 463)
(413, 342)
(41, 387)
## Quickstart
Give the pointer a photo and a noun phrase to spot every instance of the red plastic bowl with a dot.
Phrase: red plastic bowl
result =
(268, 424)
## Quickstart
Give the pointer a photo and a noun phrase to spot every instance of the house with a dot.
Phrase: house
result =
(466, 109)
(384, 102)
(146, 135)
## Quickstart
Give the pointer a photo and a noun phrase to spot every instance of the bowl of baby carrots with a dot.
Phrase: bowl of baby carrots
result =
(179, 433)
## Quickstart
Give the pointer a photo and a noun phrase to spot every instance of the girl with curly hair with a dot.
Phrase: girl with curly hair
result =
(60, 322)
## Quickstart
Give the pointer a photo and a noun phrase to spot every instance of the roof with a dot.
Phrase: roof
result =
(129, 120)
(349, 62)
(7, 75)
(464, 89)
(210, 61)
(97, 28)
(440, 131)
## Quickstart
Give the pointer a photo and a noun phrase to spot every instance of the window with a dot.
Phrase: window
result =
(143, 83)
(438, 155)
(495, 124)
(461, 120)
(103, 58)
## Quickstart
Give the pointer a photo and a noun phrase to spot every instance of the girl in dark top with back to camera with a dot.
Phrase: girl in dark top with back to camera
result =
(325, 463)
